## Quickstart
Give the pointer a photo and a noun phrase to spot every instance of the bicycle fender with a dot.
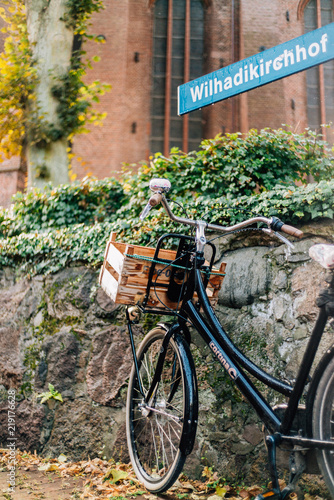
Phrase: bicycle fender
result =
(190, 380)
(191, 402)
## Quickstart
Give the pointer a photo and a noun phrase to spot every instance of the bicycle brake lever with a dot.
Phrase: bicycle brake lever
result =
(145, 211)
(280, 237)
(284, 239)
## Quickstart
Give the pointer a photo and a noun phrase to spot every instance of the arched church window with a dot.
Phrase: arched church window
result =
(178, 47)
(320, 79)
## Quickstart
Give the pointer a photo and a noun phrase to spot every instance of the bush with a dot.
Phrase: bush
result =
(56, 207)
(46, 230)
(234, 165)
(48, 252)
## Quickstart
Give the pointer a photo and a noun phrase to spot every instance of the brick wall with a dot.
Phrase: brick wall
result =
(124, 137)
(127, 26)
(282, 102)
(12, 179)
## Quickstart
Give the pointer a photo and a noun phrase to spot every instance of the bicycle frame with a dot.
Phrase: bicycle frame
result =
(235, 362)
(188, 302)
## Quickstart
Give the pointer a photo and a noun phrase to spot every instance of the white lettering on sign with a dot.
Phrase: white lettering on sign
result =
(243, 75)
(303, 52)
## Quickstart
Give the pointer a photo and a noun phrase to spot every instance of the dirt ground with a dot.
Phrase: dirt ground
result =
(37, 485)
(38, 478)
(34, 484)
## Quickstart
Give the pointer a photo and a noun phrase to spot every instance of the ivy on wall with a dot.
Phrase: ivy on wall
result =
(49, 250)
(86, 202)
(75, 97)
(47, 229)
(79, 12)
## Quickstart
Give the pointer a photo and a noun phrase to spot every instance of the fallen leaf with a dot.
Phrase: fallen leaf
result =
(220, 491)
(188, 486)
(62, 458)
(117, 475)
(254, 490)
(176, 486)
(48, 467)
(214, 497)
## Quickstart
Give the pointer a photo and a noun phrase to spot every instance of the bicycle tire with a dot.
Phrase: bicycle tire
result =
(160, 440)
(323, 420)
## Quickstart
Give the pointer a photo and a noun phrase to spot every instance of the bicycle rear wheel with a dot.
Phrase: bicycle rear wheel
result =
(156, 431)
(323, 422)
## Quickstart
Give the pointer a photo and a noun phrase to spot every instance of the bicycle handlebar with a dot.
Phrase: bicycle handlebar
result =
(292, 230)
(273, 223)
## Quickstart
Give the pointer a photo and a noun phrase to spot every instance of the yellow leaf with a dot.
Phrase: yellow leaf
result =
(117, 475)
(220, 491)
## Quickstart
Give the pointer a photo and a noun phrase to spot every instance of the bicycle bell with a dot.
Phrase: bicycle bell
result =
(160, 185)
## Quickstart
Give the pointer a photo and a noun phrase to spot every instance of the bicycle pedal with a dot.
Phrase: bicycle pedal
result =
(270, 494)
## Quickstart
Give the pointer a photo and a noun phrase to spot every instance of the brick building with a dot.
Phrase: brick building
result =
(152, 46)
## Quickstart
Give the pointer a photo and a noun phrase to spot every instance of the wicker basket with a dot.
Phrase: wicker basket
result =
(125, 271)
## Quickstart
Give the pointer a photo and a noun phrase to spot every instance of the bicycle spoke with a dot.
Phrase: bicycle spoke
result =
(140, 433)
(174, 408)
(155, 447)
(176, 434)
(139, 418)
(176, 380)
(142, 384)
(163, 431)
(164, 414)
(170, 439)
(148, 371)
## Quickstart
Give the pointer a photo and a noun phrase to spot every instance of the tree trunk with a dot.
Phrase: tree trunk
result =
(51, 43)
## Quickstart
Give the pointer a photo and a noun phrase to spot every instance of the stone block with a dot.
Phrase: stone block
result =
(110, 364)
(248, 275)
(305, 286)
(59, 359)
(252, 434)
(68, 292)
(11, 366)
(29, 422)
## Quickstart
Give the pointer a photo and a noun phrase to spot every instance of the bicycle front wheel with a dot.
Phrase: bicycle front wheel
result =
(155, 431)
(323, 422)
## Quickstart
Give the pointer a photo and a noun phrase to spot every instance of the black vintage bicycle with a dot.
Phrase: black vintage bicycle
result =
(162, 401)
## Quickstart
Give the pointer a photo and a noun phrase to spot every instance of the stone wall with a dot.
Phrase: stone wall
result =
(62, 329)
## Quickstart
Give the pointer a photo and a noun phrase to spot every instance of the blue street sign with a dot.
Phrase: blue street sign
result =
(296, 55)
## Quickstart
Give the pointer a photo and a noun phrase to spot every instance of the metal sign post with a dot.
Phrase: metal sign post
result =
(291, 57)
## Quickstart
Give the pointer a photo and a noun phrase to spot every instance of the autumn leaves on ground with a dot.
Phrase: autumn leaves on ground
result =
(96, 479)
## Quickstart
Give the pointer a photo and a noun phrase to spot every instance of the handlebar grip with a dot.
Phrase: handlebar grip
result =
(155, 199)
(292, 230)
